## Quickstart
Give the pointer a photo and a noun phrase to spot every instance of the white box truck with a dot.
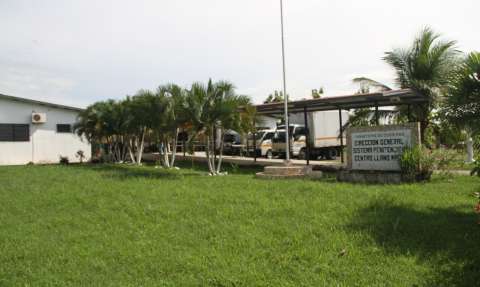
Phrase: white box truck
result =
(324, 138)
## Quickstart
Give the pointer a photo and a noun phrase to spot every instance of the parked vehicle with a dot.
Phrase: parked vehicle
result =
(262, 145)
(297, 135)
(324, 138)
(232, 143)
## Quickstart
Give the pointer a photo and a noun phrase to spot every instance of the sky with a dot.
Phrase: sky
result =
(78, 52)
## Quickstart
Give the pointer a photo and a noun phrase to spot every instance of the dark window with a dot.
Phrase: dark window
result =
(14, 133)
(300, 131)
(64, 128)
(279, 137)
(269, 136)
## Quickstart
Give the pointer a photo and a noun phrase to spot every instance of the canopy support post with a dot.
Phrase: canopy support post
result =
(307, 136)
(341, 134)
(183, 143)
(254, 141)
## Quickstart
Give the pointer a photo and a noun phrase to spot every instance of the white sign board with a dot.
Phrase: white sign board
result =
(379, 150)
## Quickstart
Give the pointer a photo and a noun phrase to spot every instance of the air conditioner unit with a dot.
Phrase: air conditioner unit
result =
(39, 118)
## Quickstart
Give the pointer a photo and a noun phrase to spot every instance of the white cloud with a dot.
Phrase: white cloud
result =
(77, 52)
(39, 84)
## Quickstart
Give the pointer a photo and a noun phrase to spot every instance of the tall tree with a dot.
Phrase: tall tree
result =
(145, 112)
(106, 123)
(426, 66)
(462, 106)
(213, 107)
(174, 118)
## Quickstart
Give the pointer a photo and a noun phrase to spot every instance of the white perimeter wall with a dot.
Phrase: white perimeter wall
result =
(45, 145)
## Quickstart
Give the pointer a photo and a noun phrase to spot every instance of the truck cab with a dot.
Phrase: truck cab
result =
(297, 134)
(261, 144)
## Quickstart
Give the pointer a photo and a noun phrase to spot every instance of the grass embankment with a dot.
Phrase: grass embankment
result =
(118, 226)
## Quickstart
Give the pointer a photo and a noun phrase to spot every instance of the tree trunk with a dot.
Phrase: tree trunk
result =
(118, 157)
(424, 122)
(423, 130)
(213, 152)
(220, 153)
(166, 162)
(140, 148)
(174, 150)
(207, 152)
(130, 150)
(124, 150)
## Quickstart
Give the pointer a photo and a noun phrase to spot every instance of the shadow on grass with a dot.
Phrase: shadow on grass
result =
(125, 171)
(446, 239)
(228, 167)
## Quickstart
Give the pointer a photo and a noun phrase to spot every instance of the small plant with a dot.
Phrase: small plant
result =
(409, 162)
(80, 155)
(417, 163)
(235, 168)
(64, 160)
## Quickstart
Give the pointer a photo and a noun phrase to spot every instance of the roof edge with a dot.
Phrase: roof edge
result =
(30, 101)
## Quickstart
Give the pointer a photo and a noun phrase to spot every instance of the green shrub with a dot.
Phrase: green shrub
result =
(447, 160)
(417, 163)
(409, 161)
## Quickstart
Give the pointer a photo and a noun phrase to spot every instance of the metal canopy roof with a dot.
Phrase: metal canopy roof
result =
(380, 99)
(30, 101)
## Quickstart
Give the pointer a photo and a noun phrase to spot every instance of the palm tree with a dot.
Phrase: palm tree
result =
(145, 111)
(462, 106)
(174, 118)
(213, 107)
(105, 123)
(426, 66)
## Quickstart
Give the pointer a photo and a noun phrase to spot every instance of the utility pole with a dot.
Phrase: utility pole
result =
(285, 98)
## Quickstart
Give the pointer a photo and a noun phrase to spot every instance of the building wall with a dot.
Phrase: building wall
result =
(45, 144)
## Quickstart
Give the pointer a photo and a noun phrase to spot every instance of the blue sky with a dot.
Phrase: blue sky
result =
(78, 52)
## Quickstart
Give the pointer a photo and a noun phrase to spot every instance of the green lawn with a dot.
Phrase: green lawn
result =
(125, 226)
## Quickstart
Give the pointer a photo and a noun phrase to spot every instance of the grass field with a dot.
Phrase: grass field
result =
(127, 226)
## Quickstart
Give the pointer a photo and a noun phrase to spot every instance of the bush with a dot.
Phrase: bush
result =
(64, 160)
(417, 163)
(446, 160)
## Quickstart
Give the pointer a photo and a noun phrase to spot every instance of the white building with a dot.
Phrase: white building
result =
(38, 132)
